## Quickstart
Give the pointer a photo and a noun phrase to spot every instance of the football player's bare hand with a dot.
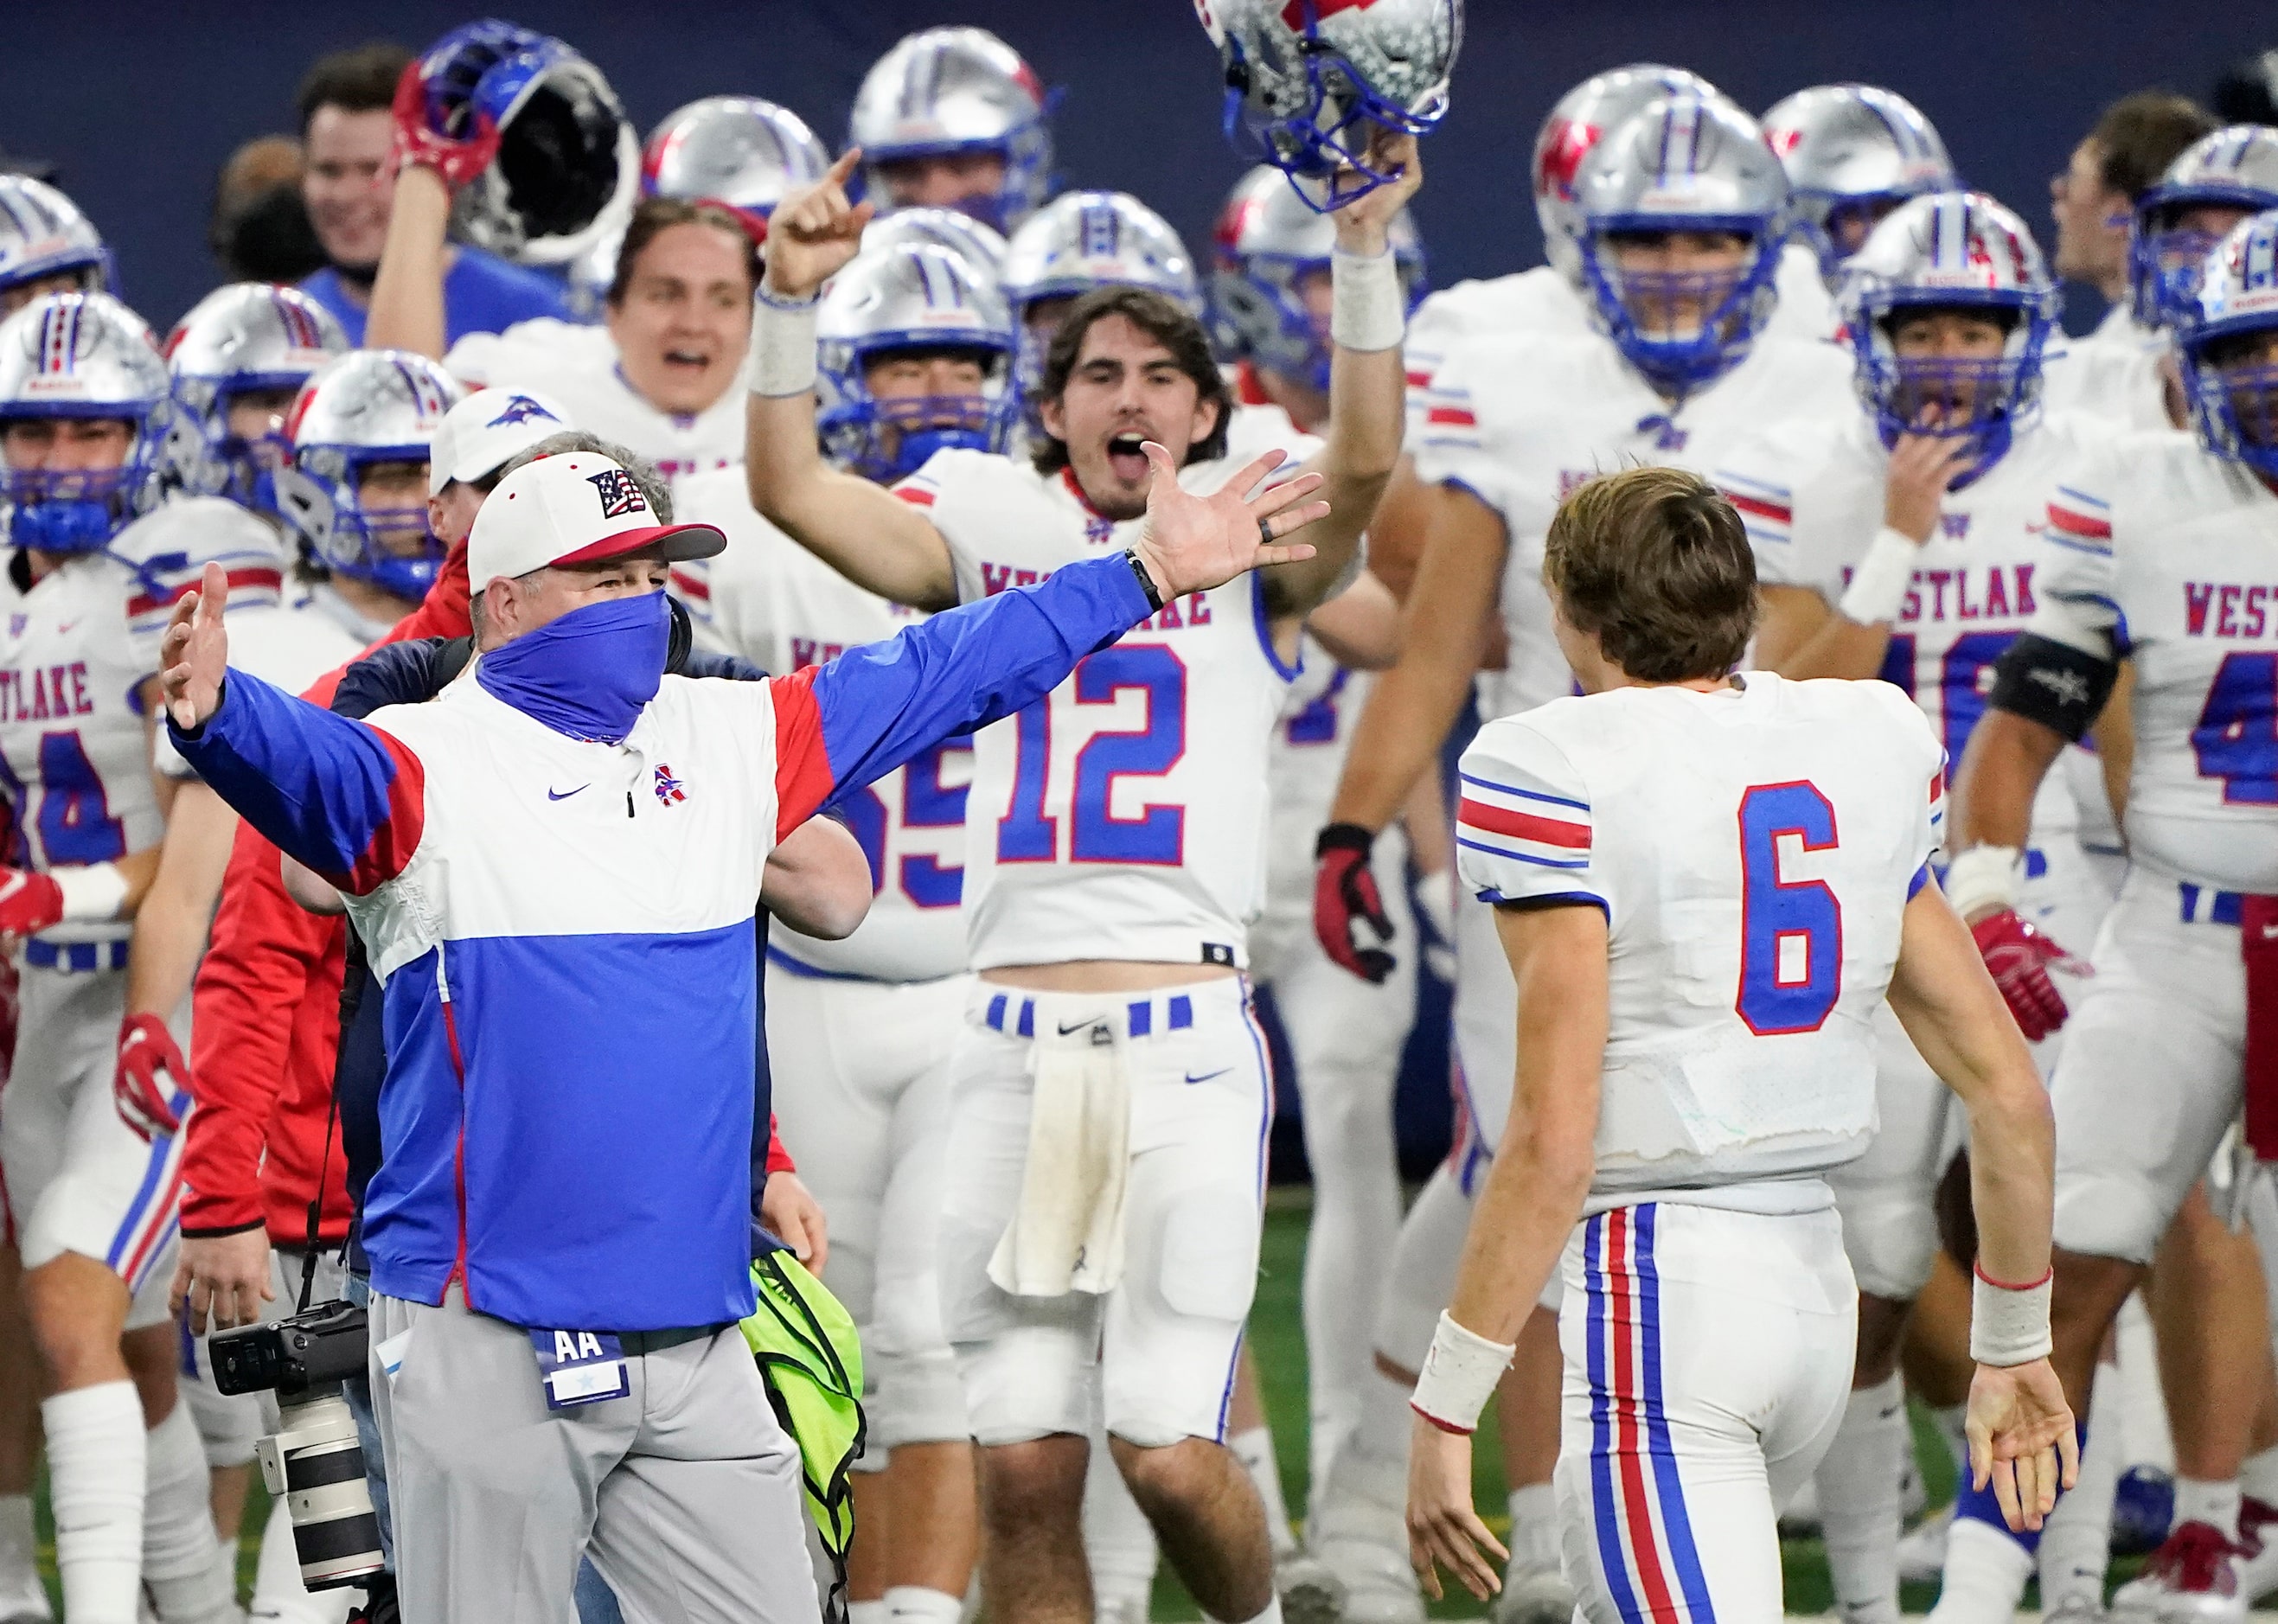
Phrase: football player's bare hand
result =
(1363, 223)
(793, 1215)
(1444, 1529)
(1922, 467)
(222, 1280)
(2022, 1439)
(815, 231)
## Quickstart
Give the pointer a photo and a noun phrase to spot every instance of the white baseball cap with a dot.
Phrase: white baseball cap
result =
(578, 508)
(488, 430)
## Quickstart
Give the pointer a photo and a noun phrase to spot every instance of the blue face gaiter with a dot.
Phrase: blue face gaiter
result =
(587, 673)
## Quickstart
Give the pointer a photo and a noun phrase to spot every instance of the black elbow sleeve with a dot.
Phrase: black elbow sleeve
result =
(2053, 684)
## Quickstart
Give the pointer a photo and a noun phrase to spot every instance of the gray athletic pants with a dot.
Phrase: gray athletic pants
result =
(685, 1494)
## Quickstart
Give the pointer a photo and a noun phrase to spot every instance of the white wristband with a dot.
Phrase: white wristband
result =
(1983, 877)
(2008, 1324)
(1367, 309)
(1878, 587)
(783, 346)
(92, 894)
(1460, 1374)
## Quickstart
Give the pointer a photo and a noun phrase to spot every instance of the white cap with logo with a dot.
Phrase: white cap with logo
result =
(578, 508)
(488, 430)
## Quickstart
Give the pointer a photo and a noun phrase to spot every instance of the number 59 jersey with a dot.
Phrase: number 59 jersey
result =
(1754, 850)
(2162, 551)
(1124, 817)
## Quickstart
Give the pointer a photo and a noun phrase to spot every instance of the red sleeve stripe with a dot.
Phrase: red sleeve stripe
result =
(389, 851)
(252, 580)
(803, 774)
(1458, 416)
(1417, 380)
(1937, 786)
(2073, 523)
(916, 496)
(1758, 506)
(1525, 826)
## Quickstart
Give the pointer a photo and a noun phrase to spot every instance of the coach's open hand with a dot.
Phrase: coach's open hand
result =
(1193, 543)
(194, 655)
(814, 232)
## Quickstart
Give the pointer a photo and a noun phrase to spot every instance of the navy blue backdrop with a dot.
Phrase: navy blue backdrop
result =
(140, 102)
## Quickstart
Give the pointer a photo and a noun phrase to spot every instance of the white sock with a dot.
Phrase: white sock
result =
(867, 1612)
(2146, 1439)
(2215, 1504)
(2076, 1541)
(186, 1585)
(2258, 1476)
(914, 1603)
(1533, 1538)
(1271, 1615)
(1255, 1450)
(95, 1456)
(1366, 1497)
(1859, 1512)
(1986, 1574)
(278, 1593)
(19, 1550)
(1119, 1542)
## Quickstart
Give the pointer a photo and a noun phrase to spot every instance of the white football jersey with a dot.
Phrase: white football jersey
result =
(2164, 552)
(2120, 382)
(1811, 496)
(1753, 849)
(1124, 818)
(1536, 300)
(1806, 309)
(72, 722)
(1304, 765)
(1521, 421)
(577, 365)
(778, 606)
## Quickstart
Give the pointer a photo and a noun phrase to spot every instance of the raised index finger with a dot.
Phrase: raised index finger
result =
(845, 167)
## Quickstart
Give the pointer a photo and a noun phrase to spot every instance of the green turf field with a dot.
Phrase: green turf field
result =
(1277, 1338)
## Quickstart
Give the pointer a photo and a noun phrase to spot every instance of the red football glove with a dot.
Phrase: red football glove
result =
(2019, 956)
(457, 159)
(29, 903)
(151, 1073)
(1344, 889)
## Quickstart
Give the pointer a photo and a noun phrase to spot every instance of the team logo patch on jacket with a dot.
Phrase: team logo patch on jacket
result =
(667, 787)
(619, 494)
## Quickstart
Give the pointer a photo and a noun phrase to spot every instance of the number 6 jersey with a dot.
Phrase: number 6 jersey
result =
(1125, 817)
(2162, 551)
(1754, 850)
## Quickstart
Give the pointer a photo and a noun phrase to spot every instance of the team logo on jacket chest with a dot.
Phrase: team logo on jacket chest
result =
(1954, 526)
(619, 494)
(668, 791)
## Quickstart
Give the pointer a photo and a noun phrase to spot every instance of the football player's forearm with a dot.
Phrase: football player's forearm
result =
(2001, 770)
(860, 529)
(1841, 647)
(1529, 1205)
(1431, 842)
(406, 294)
(1397, 740)
(1368, 405)
(2012, 1181)
(137, 869)
(170, 918)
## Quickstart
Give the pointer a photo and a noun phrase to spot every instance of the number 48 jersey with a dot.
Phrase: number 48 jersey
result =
(1125, 817)
(1754, 850)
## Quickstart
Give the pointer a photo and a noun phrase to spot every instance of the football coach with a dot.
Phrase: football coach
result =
(553, 865)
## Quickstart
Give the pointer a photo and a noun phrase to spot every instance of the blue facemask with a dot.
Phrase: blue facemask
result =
(588, 673)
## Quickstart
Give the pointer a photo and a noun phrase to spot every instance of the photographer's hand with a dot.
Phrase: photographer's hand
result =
(223, 1279)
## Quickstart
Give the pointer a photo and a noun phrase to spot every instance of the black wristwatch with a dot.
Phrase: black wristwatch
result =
(1146, 581)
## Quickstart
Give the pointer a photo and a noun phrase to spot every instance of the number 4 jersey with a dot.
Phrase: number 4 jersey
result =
(1754, 850)
(1125, 817)
(2166, 553)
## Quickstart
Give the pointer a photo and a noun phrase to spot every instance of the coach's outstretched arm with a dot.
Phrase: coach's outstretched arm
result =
(859, 528)
(2020, 1428)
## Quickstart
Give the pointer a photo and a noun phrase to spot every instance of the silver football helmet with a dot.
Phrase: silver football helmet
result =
(1268, 244)
(945, 228)
(902, 298)
(2234, 170)
(1687, 163)
(1577, 122)
(1081, 240)
(747, 153)
(83, 356)
(368, 406)
(43, 234)
(247, 336)
(569, 163)
(2223, 343)
(1949, 250)
(1852, 154)
(946, 91)
(1308, 79)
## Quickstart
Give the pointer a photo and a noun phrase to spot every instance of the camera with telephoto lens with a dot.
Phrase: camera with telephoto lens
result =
(313, 1461)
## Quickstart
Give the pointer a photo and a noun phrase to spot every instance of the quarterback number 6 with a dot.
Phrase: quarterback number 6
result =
(1790, 930)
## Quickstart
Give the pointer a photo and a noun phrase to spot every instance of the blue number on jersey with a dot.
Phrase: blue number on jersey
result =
(1790, 930)
(1963, 680)
(74, 823)
(927, 804)
(1159, 834)
(1027, 834)
(865, 815)
(2236, 739)
(1316, 723)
